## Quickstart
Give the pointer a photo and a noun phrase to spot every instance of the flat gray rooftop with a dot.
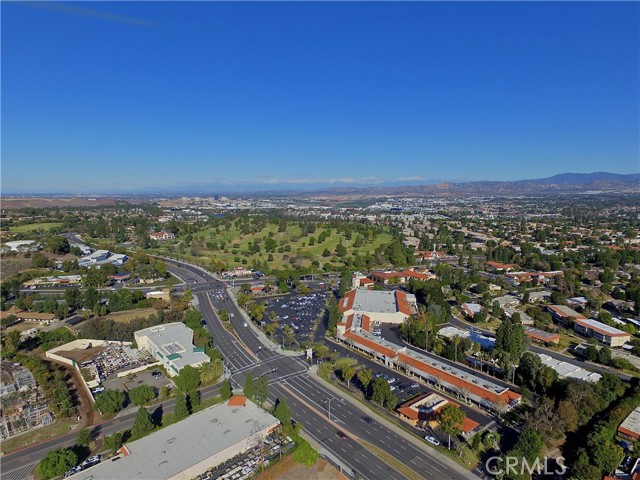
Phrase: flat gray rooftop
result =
(632, 422)
(173, 449)
(375, 301)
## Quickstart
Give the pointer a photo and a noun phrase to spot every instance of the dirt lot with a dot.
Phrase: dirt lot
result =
(11, 265)
(81, 355)
(129, 315)
(288, 469)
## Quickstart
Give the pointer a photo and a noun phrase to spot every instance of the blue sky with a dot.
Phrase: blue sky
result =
(125, 96)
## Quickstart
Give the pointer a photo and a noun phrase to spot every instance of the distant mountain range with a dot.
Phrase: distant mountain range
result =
(557, 184)
(561, 183)
(585, 178)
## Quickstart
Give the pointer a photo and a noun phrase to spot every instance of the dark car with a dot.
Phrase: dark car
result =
(367, 420)
(342, 435)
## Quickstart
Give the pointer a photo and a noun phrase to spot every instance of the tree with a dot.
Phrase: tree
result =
(91, 297)
(568, 415)
(38, 260)
(142, 424)
(604, 356)
(450, 420)
(210, 371)
(142, 394)
(225, 390)
(249, 387)
(110, 402)
(527, 371)
(58, 245)
(188, 379)
(182, 408)
(591, 353)
(529, 445)
(282, 411)
(261, 392)
(364, 377)
(114, 442)
(289, 335)
(56, 463)
(73, 298)
(84, 437)
(347, 373)
(12, 340)
(380, 390)
(607, 455)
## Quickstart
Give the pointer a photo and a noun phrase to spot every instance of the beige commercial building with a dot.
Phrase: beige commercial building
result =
(189, 448)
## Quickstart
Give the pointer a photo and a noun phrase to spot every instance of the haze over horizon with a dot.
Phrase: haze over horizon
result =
(105, 97)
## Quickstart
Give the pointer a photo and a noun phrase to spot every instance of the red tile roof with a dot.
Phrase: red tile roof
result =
(628, 432)
(502, 266)
(349, 321)
(542, 336)
(402, 303)
(467, 425)
(237, 401)
(601, 331)
(371, 344)
(346, 302)
(366, 322)
(504, 397)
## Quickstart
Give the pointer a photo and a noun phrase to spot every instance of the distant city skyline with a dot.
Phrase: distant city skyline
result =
(142, 96)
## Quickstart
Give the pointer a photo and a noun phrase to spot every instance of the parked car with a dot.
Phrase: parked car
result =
(432, 440)
(391, 379)
(415, 385)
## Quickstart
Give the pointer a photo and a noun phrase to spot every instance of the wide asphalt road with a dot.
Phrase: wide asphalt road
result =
(249, 351)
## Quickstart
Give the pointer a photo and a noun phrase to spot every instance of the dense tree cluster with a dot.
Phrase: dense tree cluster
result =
(52, 380)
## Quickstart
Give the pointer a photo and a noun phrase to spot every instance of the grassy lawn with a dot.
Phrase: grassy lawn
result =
(128, 315)
(34, 227)
(236, 246)
(45, 433)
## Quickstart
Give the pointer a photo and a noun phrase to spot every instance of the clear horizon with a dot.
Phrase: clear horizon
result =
(134, 96)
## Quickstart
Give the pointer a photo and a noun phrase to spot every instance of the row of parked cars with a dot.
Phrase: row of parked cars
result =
(89, 462)
(401, 387)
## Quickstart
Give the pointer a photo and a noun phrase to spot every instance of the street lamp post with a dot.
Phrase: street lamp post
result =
(329, 402)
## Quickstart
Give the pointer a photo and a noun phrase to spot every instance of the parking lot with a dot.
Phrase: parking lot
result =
(302, 313)
(119, 357)
(144, 377)
(405, 388)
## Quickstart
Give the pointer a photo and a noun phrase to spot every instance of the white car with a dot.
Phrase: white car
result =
(391, 380)
(432, 440)
(245, 324)
(415, 385)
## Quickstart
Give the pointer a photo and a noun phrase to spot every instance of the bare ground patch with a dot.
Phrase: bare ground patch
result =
(80, 356)
(288, 469)
(129, 315)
